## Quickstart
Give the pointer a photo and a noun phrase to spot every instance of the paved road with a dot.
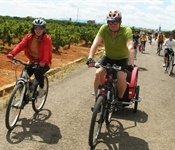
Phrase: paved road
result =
(65, 120)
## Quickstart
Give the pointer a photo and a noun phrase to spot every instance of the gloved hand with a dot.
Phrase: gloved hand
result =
(129, 68)
(90, 61)
(10, 56)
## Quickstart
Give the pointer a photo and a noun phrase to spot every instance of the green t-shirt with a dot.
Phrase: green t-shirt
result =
(115, 48)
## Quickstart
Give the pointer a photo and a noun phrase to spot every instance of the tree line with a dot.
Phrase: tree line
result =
(62, 32)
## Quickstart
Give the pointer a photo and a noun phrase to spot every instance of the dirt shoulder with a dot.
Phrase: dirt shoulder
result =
(9, 72)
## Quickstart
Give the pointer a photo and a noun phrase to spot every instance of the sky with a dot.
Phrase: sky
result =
(150, 14)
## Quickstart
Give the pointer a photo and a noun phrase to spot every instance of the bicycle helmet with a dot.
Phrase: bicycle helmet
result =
(39, 22)
(114, 16)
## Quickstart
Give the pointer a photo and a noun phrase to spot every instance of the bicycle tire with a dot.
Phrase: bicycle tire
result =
(96, 121)
(171, 65)
(137, 98)
(167, 64)
(158, 51)
(13, 109)
(109, 114)
(111, 107)
(38, 103)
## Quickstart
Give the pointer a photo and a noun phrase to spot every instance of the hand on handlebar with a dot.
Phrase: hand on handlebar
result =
(10, 56)
(90, 62)
(129, 68)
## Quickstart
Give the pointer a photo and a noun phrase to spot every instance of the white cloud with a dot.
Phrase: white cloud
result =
(146, 14)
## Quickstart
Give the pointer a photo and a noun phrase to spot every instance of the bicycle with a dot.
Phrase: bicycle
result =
(142, 47)
(169, 62)
(159, 49)
(24, 91)
(107, 100)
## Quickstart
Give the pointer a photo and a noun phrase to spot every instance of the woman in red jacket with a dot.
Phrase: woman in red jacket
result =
(37, 47)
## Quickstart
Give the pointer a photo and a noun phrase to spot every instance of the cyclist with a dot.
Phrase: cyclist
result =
(119, 50)
(160, 40)
(155, 35)
(37, 47)
(169, 45)
(136, 40)
(143, 39)
(150, 38)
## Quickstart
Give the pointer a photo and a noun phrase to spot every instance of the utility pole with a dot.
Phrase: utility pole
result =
(160, 28)
(77, 13)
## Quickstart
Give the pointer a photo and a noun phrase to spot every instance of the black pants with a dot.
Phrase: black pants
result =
(105, 60)
(168, 51)
(38, 73)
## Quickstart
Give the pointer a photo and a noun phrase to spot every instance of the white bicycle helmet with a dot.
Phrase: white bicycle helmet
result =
(114, 16)
(39, 22)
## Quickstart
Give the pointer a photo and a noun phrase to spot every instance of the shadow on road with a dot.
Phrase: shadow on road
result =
(142, 69)
(116, 138)
(127, 114)
(35, 129)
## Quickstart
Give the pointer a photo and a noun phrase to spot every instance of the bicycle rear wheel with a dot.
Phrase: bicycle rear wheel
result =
(96, 121)
(38, 103)
(13, 109)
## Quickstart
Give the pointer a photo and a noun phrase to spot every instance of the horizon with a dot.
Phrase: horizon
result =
(150, 14)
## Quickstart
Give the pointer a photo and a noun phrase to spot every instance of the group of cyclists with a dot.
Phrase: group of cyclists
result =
(141, 38)
(121, 47)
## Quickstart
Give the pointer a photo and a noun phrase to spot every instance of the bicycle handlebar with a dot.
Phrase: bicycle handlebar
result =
(114, 67)
(16, 61)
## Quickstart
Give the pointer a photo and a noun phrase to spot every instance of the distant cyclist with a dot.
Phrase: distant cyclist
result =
(160, 40)
(155, 35)
(136, 40)
(143, 39)
(169, 45)
(150, 38)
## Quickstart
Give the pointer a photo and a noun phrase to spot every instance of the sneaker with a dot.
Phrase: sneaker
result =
(41, 92)
(164, 65)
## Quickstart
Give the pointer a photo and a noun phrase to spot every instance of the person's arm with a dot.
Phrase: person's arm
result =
(130, 47)
(97, 41)
(47, 51)
(20, 46)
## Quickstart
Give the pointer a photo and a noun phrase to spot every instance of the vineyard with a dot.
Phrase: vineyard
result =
(70, 41)
(63, 33)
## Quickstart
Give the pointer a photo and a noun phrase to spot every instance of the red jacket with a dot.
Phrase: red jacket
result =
(44, 48)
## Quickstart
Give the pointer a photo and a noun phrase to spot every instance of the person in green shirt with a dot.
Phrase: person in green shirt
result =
(118, 49)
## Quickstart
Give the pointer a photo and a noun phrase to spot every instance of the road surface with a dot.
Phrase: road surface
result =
(64, 122)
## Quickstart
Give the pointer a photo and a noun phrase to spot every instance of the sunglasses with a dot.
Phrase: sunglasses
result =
(38, 28)
(113, 22)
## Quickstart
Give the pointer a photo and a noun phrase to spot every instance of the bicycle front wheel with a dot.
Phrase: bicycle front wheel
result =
(167, 65)
(96, 121)
(13, 109)
(171, 65)
(38, 102)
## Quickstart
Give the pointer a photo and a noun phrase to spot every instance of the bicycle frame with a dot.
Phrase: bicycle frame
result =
(25, 81)
(170, 63)
(25, 90)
